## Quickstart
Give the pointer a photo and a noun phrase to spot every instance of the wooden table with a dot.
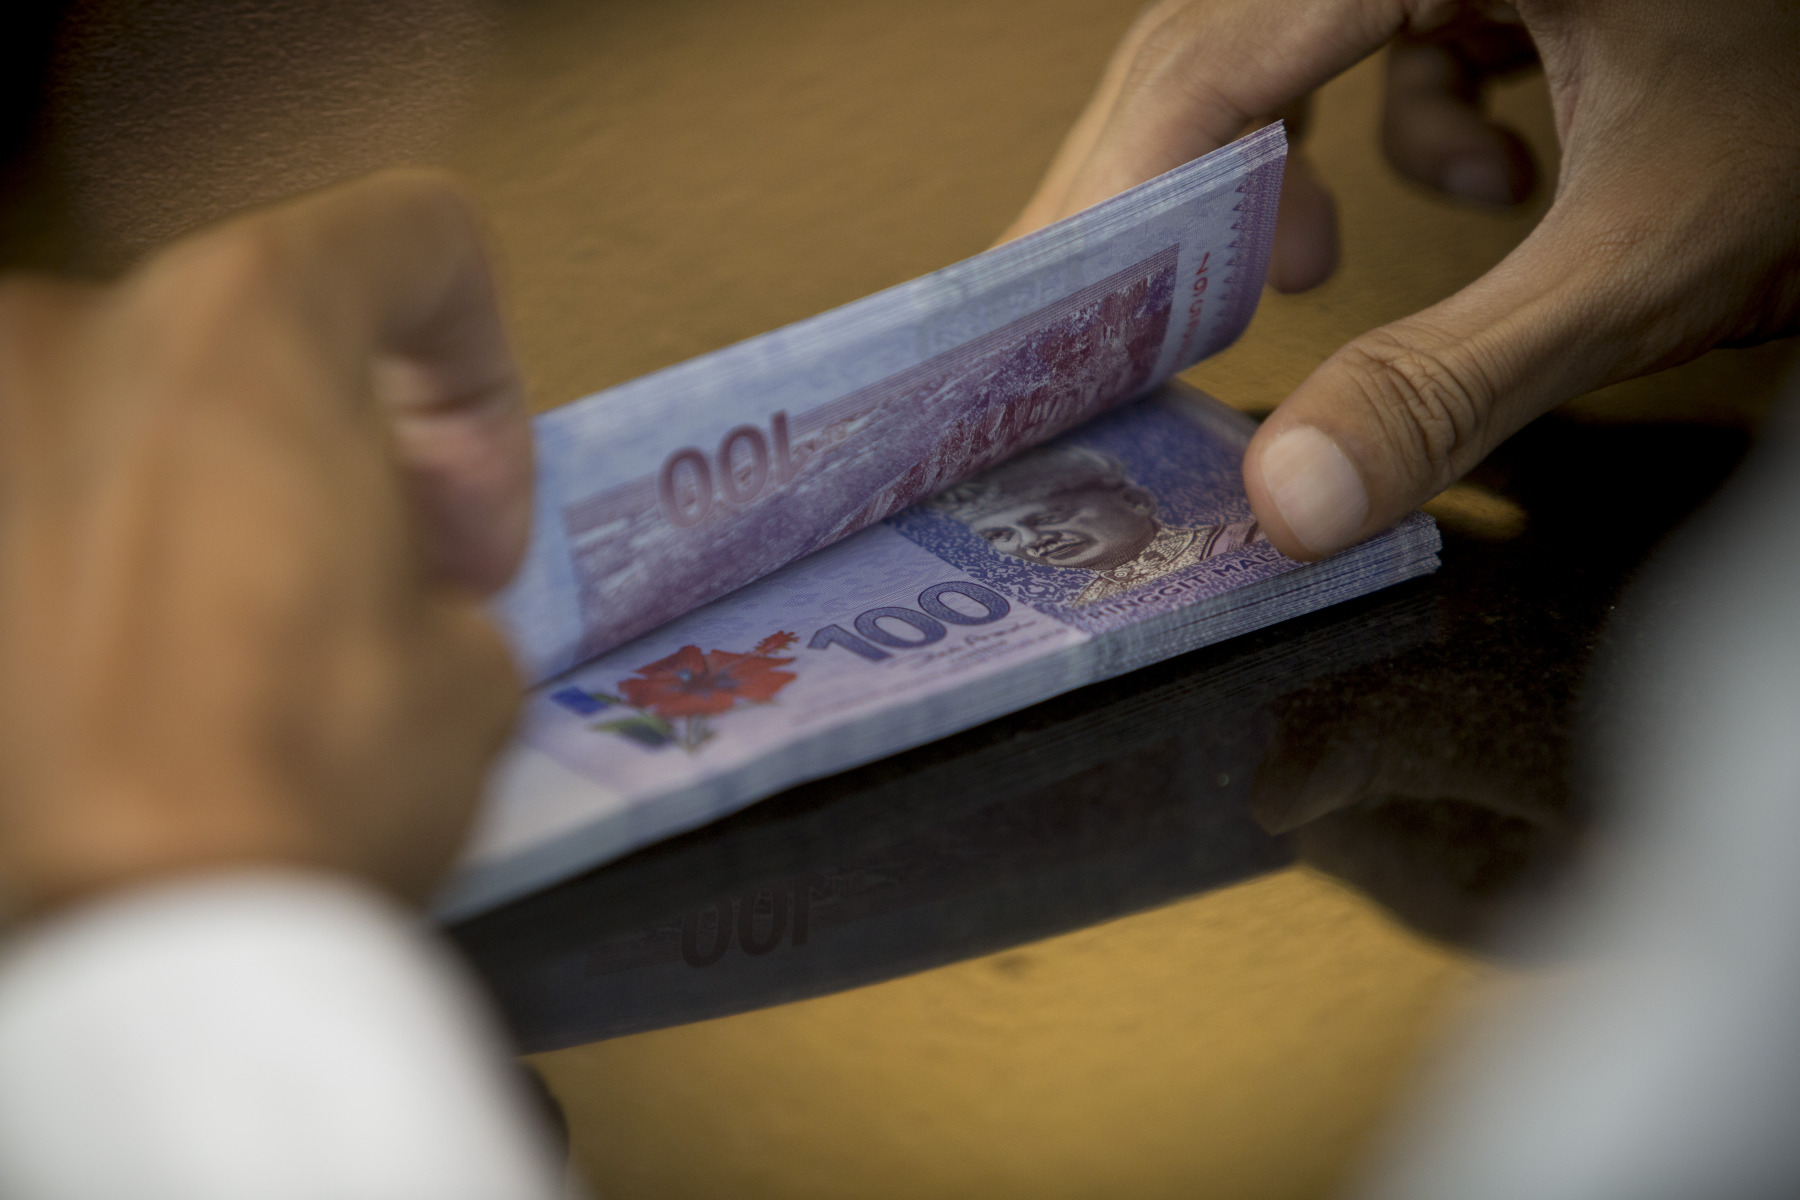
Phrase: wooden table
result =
(666, 178)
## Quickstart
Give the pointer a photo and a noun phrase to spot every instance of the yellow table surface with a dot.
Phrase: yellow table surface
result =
(666, 178)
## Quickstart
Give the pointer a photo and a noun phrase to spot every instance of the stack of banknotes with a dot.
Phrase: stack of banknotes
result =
(901, 518)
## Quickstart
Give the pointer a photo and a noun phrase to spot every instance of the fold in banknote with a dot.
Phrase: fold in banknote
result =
(1122, 543)
(672, 490)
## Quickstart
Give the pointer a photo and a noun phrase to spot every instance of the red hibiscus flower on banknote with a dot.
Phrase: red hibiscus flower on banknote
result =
(676, 696)
(691, 684)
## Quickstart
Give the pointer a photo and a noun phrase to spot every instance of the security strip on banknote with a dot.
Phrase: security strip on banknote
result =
(824, 545)
(1117, 545)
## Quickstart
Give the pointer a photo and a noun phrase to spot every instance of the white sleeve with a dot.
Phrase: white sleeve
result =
(253, 1036)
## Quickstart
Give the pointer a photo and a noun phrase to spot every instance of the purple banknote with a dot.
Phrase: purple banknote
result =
(665, 493)
(1118, 544)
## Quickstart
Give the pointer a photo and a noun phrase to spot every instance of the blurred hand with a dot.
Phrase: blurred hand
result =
(250, 496)
(1673, 229)
(1417, 804)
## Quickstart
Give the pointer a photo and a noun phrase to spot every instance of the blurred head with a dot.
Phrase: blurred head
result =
(1064, 506)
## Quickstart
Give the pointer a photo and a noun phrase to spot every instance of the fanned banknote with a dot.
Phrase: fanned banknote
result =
(661, 494)
(824, 545)
(1122, 543)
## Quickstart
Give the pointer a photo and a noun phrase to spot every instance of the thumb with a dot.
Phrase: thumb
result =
(1403, 411)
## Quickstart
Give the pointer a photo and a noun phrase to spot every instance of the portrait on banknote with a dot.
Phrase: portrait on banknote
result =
(1121, 512)
(1075, 507)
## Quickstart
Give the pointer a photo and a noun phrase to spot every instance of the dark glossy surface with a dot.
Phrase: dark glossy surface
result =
(1417, 744)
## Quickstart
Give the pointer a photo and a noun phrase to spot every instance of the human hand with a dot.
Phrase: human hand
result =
(250, 496)
(1673, 228)
(1416, 803)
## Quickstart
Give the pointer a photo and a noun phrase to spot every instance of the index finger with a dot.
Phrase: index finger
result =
(1189, 77)
(391, 279)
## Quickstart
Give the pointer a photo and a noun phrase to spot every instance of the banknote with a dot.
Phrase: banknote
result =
(673, 490)
(1121, 543)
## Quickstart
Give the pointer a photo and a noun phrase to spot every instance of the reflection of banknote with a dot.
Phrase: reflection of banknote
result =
(1048, 820)
(1114, 546)
(675, 489)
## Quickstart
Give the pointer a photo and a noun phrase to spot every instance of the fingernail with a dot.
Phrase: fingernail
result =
(1315, 487)
(1482, 180)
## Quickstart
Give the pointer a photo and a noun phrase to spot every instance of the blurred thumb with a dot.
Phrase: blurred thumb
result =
(404, 251)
